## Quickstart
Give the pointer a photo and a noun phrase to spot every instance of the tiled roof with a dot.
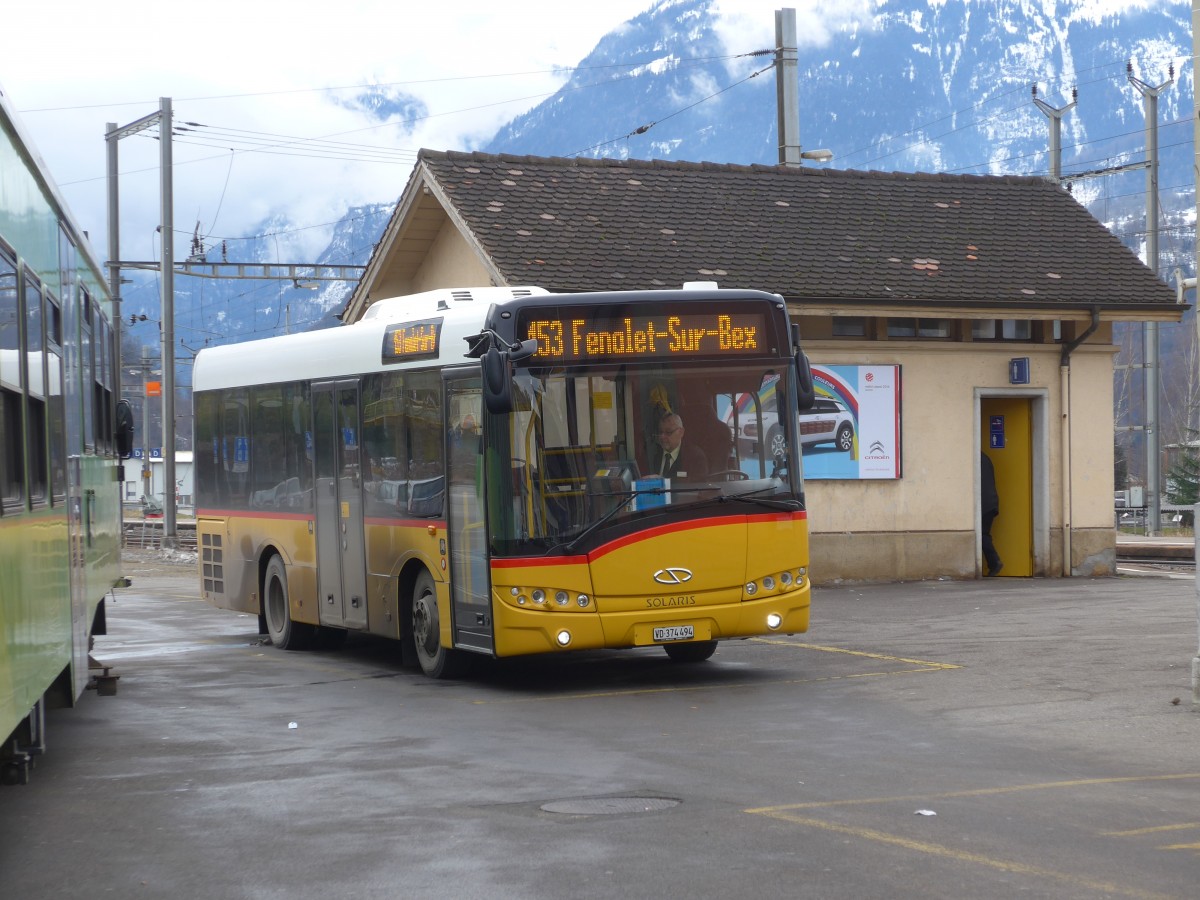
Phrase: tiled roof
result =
(806, 233)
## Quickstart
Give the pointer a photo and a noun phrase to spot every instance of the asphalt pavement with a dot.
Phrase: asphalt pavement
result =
(931, 739)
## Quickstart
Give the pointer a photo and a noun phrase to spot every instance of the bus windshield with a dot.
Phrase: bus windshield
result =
(600, 447)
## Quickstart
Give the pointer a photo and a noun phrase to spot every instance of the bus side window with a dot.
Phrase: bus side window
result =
(422, 443)
(385, 465)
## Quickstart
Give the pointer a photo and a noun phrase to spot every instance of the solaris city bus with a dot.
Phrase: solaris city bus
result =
(469, 472)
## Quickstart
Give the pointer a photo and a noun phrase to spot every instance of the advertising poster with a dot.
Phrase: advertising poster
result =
(853, 430)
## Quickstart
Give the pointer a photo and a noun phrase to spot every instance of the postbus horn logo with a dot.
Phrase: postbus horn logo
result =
(673, 575)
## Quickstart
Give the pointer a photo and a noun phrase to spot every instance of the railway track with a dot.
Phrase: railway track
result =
(148, 535)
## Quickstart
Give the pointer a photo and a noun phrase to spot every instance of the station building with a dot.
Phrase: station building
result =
(982, 307)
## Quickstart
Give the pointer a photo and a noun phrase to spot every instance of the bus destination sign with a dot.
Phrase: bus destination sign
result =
(412, 340)
(593, 335)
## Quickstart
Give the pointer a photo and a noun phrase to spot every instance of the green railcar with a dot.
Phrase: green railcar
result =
(60, 506)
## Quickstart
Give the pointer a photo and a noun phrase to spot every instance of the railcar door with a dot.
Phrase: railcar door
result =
(470, 585)
(341, 561)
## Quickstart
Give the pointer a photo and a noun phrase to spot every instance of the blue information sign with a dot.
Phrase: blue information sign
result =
(996, 432)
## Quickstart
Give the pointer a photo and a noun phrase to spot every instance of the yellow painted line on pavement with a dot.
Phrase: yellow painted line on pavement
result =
(978, 859)
(976, 792)
(916, 662)
(789, 813)
(1134, 832)
(924, 666)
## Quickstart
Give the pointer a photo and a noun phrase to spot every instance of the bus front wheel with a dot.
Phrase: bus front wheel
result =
(436, 661)
(285, 634)
(691, 652)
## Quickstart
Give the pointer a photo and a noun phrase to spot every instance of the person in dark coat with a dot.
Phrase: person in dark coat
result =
(989, 507)
(676, 459)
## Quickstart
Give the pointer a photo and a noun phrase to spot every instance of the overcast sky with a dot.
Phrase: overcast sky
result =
(269, 72)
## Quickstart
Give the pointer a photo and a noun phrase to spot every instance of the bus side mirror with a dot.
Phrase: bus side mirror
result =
(524, 350)
(805, 394)
(497, 382)
(124, 429)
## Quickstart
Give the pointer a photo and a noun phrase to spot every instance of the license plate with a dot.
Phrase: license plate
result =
(675, 633)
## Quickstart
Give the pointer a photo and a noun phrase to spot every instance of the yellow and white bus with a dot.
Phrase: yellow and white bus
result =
(475, 472)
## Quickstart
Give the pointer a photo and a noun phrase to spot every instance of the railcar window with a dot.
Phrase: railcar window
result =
(10, 334)
(101, 396)
(57, 428)
(36, 422)
(33, 316)
(38, 391)
(88, 370)
(12, 451)
(53, 321)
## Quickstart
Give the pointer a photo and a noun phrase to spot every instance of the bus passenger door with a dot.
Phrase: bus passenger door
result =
(470, 584)
(341, 561)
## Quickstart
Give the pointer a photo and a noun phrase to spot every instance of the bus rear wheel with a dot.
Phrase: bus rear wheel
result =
(691, 652)
(436, 661)
(285, 634)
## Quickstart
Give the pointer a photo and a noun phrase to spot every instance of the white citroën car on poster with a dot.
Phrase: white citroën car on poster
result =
(828, 422)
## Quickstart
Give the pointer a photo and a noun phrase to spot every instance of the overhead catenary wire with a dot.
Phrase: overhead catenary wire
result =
(363, 86)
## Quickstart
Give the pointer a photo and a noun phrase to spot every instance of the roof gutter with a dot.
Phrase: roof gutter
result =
(1071, 346)
(1009, 308)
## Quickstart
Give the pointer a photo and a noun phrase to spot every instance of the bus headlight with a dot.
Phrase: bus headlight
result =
(774, 620)
(751, 588)
(564, 638)
(550, 598)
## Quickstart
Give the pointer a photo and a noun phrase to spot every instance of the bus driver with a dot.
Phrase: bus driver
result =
(675, 459)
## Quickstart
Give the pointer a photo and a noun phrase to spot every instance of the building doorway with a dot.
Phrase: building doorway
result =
(1007, 438)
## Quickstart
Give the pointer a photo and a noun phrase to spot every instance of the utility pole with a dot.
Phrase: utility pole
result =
(114, 133)
(1150, 364)
(1196, 312)
(787, 87)
(114, 283)
(787, 92)
(1055, 116)
(170, 538)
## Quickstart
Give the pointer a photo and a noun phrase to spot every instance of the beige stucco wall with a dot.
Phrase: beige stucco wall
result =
(451, 262)
(926, 524)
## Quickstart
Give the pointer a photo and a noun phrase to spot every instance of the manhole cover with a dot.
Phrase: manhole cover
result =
(608, 806)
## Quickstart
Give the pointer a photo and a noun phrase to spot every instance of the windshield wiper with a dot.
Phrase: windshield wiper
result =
(570, 545)
(769, 502)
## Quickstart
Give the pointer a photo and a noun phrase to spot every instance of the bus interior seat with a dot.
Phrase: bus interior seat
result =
(702, 425)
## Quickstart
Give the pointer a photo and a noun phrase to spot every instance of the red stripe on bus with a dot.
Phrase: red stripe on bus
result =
(527, 562)
(676, 527)
(523, 562)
